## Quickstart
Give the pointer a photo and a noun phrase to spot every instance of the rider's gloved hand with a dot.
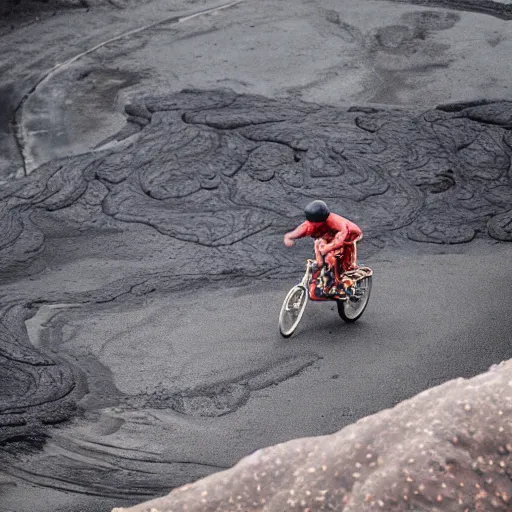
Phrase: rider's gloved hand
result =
(289, 242)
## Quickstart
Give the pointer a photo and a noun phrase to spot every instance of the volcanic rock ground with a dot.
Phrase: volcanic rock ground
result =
(141, 257)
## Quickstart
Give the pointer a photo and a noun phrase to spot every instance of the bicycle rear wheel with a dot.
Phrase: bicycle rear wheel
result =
(352, 308)
(292, 310)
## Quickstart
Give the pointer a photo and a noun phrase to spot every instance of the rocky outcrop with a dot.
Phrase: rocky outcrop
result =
(447, 449)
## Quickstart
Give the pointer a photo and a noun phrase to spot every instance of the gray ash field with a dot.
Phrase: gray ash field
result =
(145, 193)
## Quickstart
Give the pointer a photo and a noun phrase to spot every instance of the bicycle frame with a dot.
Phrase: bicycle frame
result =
(306, 280)
(354, 275)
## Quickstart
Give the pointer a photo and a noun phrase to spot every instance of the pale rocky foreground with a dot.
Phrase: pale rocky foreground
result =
(447, 449)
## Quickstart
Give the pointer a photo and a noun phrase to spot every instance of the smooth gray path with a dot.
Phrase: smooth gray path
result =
(235, 385)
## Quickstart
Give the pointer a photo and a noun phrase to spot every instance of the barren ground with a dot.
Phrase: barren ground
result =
(141, 259)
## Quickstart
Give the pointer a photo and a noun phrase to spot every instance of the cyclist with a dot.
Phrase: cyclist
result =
(335, 237)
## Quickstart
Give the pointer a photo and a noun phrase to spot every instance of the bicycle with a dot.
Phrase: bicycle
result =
(351, 292)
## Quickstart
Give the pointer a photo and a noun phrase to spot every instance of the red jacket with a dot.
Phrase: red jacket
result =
(336, 231)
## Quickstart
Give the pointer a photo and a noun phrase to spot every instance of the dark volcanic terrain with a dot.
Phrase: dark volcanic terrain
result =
(141, 259)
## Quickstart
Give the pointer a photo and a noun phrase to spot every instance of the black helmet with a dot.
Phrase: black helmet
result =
(317, 211)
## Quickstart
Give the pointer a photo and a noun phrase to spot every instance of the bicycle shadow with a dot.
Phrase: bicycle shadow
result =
(321, 324)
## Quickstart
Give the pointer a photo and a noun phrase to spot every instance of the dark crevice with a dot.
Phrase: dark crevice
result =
(496, 9)
(459, 106)
(225, 125)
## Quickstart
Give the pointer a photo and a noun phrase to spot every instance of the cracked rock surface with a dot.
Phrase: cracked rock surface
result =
(215, 169)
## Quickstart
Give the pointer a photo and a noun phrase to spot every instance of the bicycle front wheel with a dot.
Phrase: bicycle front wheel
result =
(292, 310)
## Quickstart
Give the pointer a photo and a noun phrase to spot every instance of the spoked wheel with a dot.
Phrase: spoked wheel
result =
(292, 310)
(351, 309)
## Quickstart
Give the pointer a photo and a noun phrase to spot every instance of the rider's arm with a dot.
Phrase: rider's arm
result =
(299, 232)
(338, 240)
